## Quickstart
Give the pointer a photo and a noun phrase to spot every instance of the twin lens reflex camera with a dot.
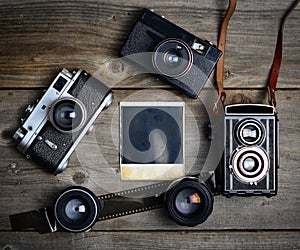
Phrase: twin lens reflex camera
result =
(251, 145)
(54, 126)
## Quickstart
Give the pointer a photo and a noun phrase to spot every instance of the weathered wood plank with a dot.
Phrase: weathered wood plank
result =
(37, 39)
(152, 240)
(24, 186)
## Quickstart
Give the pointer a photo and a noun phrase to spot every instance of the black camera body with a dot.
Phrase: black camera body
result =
(251, 150)
(54, 126)
(170, 53)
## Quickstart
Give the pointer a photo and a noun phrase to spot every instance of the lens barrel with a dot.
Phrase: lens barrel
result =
(250, 132)
(172, 58)
(250, 164)
(68, 114)
(77, 209)
(189, 202)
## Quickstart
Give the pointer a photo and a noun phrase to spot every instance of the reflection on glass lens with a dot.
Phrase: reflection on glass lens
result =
(249, 164)
(68, 115)
(76, 210)
(188, 202)
(65, 115)
(249, 132)
(172, 57)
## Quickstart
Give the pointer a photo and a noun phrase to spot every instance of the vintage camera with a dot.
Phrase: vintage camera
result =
(170, 53)
(251, 156)
(54, 126)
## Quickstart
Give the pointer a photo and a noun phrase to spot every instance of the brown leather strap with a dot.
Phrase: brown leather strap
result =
(221, 46)
(277, 57)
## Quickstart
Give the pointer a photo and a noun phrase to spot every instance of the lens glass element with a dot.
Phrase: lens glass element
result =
(68, 114)
(188, 201)
(250, 132)
(76, 209)
(250, 164)
(172, 58)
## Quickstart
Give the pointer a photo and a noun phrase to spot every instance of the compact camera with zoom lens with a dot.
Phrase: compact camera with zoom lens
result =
(177, 57)
(54, 126)
(251, 157)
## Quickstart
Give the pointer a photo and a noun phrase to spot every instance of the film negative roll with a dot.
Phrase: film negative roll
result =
(77, 209)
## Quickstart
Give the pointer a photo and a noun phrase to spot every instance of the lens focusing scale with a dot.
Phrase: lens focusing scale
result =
(189, 203)
(76, 209)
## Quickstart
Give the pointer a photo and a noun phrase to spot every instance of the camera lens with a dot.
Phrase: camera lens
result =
(189, 203)
(172, 58)
(68, 115)
(76, 209)
(250, 164)
(250, 132)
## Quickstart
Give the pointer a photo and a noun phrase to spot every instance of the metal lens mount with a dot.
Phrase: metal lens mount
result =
(76, 209)
(172, 58)
(250, 164)
(189, 202)
(67, 114)
(250, 132)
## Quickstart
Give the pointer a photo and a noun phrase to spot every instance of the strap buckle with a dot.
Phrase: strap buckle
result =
(271, 96)
(219, 103)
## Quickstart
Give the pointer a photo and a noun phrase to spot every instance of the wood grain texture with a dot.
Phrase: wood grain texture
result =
(152, 240)
(38, 38)
(95, 165)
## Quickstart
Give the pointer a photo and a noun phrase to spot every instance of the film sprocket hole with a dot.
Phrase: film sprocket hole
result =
(54, 126)
(177, 57)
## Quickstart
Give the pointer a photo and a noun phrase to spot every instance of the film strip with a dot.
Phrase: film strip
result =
(132, 201)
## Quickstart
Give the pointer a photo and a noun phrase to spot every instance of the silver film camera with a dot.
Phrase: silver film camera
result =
(250, 150)
(54, 126)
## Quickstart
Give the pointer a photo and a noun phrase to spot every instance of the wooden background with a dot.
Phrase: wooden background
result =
(39, 38)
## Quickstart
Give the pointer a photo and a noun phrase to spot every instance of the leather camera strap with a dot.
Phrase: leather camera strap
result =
(221, 46)
(276, 61)
(277, 56)
(40, 220)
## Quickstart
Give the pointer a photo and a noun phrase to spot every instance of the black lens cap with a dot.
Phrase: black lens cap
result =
(189, 202)
(76, 209)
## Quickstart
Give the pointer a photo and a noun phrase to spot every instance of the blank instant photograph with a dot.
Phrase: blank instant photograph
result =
(152, 140)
